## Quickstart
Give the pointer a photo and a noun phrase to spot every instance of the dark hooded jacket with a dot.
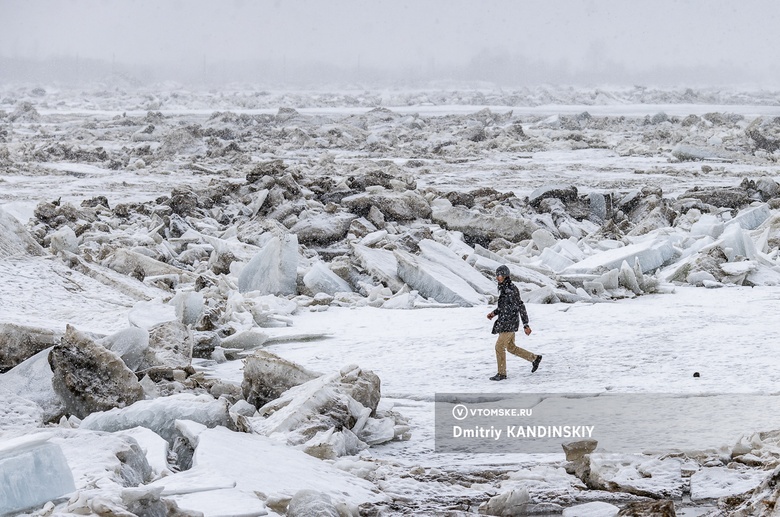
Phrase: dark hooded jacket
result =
(510, 308)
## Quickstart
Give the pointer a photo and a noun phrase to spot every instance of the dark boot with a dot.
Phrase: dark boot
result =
(498, 377)
(535, 364)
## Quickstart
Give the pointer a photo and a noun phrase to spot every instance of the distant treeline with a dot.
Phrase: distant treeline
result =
(497, 68)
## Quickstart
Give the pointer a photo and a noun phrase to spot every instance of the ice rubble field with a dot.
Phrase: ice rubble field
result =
(649, 344)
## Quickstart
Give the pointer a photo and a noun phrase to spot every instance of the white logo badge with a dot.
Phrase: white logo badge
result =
(460, 412)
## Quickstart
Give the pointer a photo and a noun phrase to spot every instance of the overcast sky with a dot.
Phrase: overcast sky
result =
(638, 35)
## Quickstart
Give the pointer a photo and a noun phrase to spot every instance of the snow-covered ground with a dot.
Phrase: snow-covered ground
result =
(652, 344)
(649, 344)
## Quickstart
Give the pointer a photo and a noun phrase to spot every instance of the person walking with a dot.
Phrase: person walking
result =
(509, 312)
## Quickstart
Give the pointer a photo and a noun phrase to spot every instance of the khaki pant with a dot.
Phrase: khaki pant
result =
(506, 343)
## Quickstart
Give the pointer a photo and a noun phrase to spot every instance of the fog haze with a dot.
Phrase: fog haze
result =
(524, 41)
